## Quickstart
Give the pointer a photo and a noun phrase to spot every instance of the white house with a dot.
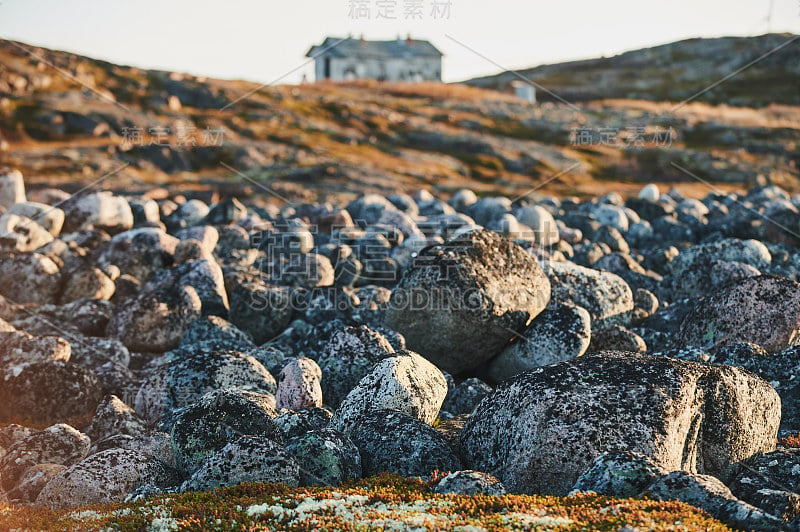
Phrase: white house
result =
(398, 60)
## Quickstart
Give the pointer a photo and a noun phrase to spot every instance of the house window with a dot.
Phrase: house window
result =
(327, 68)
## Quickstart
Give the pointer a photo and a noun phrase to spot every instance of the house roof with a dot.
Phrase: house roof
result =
(350, 47)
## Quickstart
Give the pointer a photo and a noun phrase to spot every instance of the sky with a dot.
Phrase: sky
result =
(266, 40)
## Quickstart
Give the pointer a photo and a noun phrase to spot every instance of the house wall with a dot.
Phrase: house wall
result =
(395, 69)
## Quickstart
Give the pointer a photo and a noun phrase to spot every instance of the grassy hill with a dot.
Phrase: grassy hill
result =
(68, 121)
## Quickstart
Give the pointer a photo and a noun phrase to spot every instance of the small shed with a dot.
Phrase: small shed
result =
(524, 90)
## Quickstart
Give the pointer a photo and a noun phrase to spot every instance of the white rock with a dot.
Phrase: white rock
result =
(613, 216)
(541, 222)
(101, 210)
(692, 207)
(462, 199)
(21, 234)
(12, 187)
(650, 192)
(51, 218)
(207, 235)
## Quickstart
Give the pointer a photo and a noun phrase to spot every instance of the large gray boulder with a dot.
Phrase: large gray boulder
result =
(460, 303)
(763, 310)
(539, 431)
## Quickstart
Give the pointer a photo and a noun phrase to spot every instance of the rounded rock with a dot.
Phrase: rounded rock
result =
(394, 442)
(105, 477)
(622, 474)
(476, 290)
(299, 385)
(218, 418)
(540, 431)
(405, 382)
(328, 457)
(470, 483)
(560, 333)
(764, 310)
(248, 459)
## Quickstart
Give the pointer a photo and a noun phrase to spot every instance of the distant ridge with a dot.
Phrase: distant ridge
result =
(676, 71)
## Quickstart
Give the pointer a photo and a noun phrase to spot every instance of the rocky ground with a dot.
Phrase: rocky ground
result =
(641, 348)
(286, 293)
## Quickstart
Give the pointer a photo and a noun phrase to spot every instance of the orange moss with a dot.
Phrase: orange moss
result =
(382, 501)
(793, 441)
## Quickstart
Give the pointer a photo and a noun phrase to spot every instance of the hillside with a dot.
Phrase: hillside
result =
(68, 120)
(768, 65)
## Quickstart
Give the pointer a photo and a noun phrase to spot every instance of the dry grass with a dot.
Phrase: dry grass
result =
(433, 91)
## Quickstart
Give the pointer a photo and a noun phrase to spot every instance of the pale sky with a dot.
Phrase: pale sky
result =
(263, 40)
